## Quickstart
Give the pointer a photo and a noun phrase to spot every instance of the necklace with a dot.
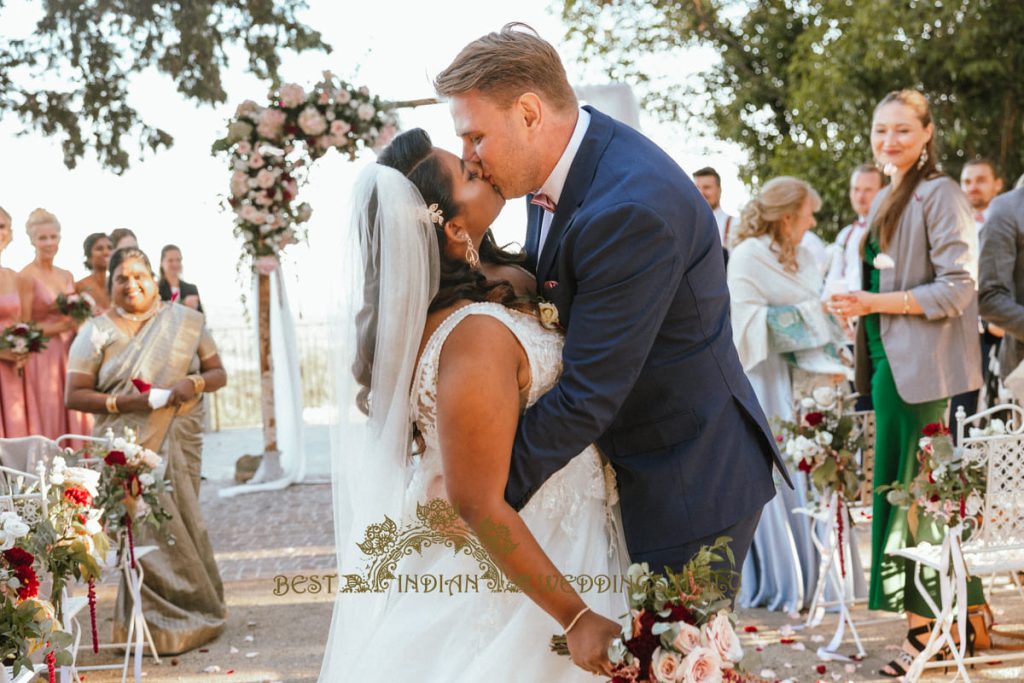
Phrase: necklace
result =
(141, 317)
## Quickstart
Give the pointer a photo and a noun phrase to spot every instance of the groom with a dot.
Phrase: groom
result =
(624, 245)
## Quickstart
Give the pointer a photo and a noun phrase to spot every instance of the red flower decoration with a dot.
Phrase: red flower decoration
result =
(142, 385)
(18, 557)
(806, 465)
(20, 561)
(934, 428)
(115, 458)
(78, 496)
(814, 419)
(821, 669)
(550, 284)
(750, 629)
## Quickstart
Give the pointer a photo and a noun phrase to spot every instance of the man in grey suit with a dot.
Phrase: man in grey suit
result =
(1001, 275)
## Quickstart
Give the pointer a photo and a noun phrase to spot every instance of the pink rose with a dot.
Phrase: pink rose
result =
(721, 638)
(271, 123)
(363, 90)
(666, 667)
(239, 183)
(339, 128)
(243, 147)
(387, 134)
(247, 108)
(703, 665)
(312, 122)
(249, 213)
(256, 161)
(265, 179)
(265, 265)
(325, 97)
(343, 97)
(688, 638)
(292, 95)
(366, 111)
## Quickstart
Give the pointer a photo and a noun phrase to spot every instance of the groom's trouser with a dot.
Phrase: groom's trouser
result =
(742, 535)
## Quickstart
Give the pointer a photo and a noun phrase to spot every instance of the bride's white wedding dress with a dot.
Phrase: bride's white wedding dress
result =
(472, 637)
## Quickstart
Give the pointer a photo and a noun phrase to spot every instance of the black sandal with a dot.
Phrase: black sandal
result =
(904, 659)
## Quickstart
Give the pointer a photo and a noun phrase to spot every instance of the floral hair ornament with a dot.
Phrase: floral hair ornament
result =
(434, 214)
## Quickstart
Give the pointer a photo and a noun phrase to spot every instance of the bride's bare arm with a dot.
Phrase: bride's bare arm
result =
(477, 414)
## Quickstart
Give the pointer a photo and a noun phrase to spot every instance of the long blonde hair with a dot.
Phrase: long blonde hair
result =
(39, 217)
(764, 215)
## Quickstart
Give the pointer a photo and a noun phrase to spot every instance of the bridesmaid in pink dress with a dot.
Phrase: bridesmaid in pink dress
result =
(39, 284)
(14, 421)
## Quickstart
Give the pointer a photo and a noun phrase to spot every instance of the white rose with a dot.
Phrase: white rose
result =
(365, 111)
(147, 479)
(548, 313)
(703, 665)
(312, 122)
(824, 438)
(20, 345)
(824, 396)
(973, 504)
(808, 402)
(666, 666)
(687, 639)
(722, 638)
(84, 477)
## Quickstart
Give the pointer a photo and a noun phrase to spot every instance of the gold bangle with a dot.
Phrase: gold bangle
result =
(112, 404)
(576, 619)
(906, 302)
(199, 382)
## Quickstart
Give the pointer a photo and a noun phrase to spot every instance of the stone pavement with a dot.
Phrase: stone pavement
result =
(262, 540)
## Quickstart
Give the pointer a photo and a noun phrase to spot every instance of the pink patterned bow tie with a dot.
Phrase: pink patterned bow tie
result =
(979, 217)
(543, 201)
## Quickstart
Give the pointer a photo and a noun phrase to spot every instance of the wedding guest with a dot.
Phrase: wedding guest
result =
(98, 248)
(920, 260)
(172, 287)
(844, 273)
(980, 181)
(818, 250)
(771, 273)
(1001, 288)
(709, 183)
(14, 420)
(169, 347)
(123, 237)
(39, 284)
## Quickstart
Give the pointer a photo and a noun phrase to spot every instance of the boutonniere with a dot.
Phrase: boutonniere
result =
(883, 262)
(550, 284)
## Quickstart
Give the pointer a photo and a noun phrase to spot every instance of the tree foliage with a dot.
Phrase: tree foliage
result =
(798, 79)
(71, 77)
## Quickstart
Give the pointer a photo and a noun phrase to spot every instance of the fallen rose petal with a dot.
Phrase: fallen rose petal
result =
(787, 665)
(249, 639)
(233, 650)
(204, 649)
(750, 629)
(850, 668)
(759, 649)
(767, 673)
(821, 669)
(250, 655)
(837, 677)
(817, 639)
(212, 669)
(799, 647)
(786, 631)
(787, 641)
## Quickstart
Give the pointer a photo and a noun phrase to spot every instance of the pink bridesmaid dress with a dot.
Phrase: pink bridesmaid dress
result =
(45, 373)
(14, 413)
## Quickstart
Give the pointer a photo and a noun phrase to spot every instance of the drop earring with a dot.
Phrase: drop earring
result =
(923, 160)
(472, 255)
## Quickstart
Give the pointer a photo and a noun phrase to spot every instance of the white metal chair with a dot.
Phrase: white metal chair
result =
(33, 452)
(996, 547)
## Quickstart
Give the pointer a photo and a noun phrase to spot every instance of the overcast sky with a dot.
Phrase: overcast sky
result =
(174, 196)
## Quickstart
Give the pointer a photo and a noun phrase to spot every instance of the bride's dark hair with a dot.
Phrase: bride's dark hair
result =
(412, 155)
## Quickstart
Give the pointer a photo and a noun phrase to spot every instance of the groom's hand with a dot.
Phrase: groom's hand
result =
(588, 643)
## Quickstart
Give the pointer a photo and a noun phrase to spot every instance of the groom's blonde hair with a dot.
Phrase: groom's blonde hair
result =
(506, 64)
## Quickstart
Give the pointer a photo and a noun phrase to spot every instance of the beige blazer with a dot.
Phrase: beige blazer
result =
(935, 250)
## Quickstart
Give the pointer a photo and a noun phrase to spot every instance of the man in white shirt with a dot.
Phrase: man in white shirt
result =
(709, 183)
(844, 274)
(981, 183)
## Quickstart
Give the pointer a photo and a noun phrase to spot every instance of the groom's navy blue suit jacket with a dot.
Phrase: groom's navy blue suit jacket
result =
(633, 262)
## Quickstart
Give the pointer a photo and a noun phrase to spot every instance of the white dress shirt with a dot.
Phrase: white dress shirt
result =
(555, 183)
(979, 218)
(844, 274)
(726, 227)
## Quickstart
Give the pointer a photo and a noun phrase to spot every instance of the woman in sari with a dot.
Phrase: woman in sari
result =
(167, 347)
(774, 278)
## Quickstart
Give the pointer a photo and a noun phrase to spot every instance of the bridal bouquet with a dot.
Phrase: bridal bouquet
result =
(824, 443)
(79, 306)
(948, 488)
(679, 627)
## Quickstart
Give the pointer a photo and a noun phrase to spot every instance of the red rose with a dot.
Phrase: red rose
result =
(115, 458)
(806, 465)
(814, 419)
(821, 669)
(934, 498)
(934, 428)
(18, 557)
(142, 385)
(29, 587)
(78, 496)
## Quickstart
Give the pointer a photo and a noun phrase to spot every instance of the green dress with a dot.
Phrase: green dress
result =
(898, 428)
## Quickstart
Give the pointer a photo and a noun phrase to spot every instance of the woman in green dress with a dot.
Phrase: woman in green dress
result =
(169, 347)
(918, 344)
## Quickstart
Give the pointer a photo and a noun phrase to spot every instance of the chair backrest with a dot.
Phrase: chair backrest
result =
(1003, 458)
(27, 452)
(866, 423)
(24, 493)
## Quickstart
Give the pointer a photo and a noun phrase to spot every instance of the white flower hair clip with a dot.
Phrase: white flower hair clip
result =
(434, 214)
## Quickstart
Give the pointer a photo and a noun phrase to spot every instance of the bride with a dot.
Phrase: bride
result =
(434, 305)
